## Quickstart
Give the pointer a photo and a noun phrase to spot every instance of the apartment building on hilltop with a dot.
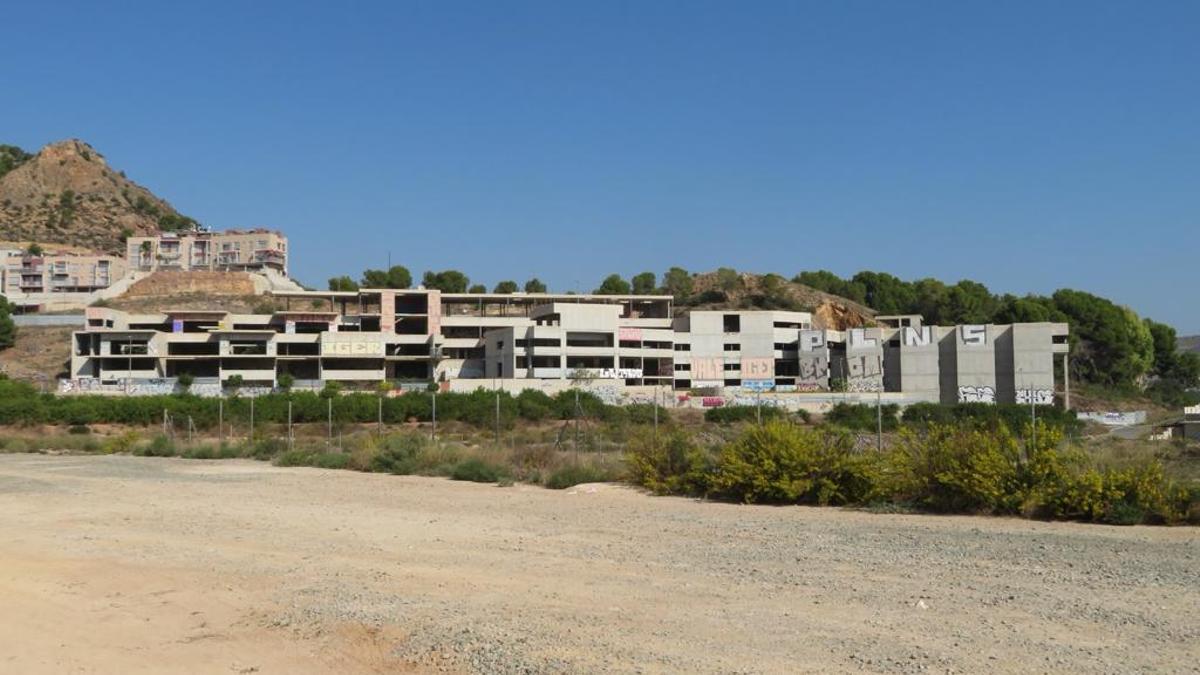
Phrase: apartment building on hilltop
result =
(373, 335)
(57, 272)
(228, 250)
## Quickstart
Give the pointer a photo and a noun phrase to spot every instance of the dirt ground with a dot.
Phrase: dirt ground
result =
(124, 565)
(40, 355)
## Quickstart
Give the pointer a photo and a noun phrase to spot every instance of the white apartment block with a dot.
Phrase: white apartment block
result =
(227, 250)
(57, 272)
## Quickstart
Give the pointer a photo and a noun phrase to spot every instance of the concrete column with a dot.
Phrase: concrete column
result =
(1066, 382)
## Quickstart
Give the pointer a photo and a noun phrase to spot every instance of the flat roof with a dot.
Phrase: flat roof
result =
(553, 296)
(194, 312)
(314, 294)
(470, 296)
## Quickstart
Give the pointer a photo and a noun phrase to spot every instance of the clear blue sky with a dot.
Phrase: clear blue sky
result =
(1030, 146)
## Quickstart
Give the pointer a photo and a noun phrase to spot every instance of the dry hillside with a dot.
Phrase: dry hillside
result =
(829, 311)
(40, 355)
(68, 194)
(163, 290)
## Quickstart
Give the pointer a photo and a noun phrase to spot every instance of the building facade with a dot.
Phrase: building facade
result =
(227, 250)
(58, 272)
(420, 336)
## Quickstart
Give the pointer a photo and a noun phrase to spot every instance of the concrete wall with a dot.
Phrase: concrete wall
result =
(913, 362)
(814, 356)
(968, 364)
(864, 360)
(42, 320)
(1027, 364)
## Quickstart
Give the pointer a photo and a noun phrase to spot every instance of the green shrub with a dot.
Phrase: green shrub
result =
(742, 413)
(79, 429)
(784, 463)
(399, 454)
(956, 468)
(159, 446)
(1124, 513)
(264, 449)
(201, 452)
(990, 416)
(643, 413)
(318, 459)
(669, 463)
(479, 470)
(864, 417)
(575, 474)
(330, 460)
(120, 444)
(21, 404)
(293, 458)
(14, 445)
(534, 405)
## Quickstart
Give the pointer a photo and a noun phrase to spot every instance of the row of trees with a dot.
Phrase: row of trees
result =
(676, 281)
(447, 281)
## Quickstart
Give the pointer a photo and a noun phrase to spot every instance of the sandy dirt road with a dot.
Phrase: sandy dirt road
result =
(127, 565)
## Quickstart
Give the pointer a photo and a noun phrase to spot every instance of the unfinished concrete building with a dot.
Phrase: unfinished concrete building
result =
(752, 349)
(413, 337)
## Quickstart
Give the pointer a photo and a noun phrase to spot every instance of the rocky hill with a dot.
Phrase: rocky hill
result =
(725, 289)
(68, 194)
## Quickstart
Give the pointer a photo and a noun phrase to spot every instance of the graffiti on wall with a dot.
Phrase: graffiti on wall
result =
(616, 373)
(708, 368)
(152, 386)
(766, 402)
(712, 401)
(757, 368)
(813, 371)
(80, 385)
(972, 394)
(812, 340)
(629, 334)
(858, 339)
(349, 344)
(864, 386)
(608, 395)
(917, 337)
(1115, 419)
(866, 365)
(1035, 396)
(865, 373)
(973, 335)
